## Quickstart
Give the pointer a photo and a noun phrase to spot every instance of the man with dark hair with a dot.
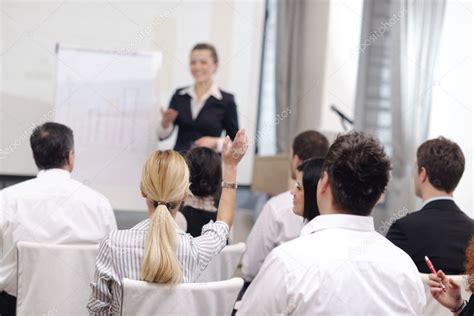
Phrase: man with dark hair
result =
(277, 223)
(439, 230)
(340, 265)
(51, 208)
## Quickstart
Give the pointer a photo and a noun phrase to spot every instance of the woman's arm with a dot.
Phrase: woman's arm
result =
(232, 153)
(168, 119)
(101, 297)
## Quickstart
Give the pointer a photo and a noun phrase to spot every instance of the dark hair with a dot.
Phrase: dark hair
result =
(205, 171)
(443, 161)
(51, 144)
(311, 169)
(310, 144)
(358, 170)
(209, 47)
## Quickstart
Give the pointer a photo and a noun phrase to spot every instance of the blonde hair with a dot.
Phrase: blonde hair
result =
(165, 182)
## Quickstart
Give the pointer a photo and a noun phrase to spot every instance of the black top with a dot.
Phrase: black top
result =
(196, 219)
(216, 115)
(469, 309)
(440, 230)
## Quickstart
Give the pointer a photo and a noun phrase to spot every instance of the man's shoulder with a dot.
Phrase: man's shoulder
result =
(280, 201)
(18, 188)
(84, 191)
(296, 250)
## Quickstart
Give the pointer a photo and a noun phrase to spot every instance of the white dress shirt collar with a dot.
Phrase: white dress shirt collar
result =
(54, 172)
(436, 198)
(352, 222)
(213, 91)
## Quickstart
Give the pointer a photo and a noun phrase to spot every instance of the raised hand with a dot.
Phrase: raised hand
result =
(232, 152)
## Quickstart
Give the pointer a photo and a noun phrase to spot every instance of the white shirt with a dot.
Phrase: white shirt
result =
(196, 107)
(51, 208)
(275, 225)
(343, 267)
(121, 256)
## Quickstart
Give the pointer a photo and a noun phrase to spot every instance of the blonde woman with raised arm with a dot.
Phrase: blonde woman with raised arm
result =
(155, 250)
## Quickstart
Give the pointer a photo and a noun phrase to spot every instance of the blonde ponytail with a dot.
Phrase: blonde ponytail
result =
(165, 181)
(160, 264)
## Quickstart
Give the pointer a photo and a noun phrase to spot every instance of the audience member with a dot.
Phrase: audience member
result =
(440, 230)
(52, 208)
(304, 192)
(451, 297)
(205, 168)
(155, 250)
(277, 223)
(340, 265)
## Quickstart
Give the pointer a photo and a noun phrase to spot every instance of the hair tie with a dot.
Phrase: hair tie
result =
(169, 205)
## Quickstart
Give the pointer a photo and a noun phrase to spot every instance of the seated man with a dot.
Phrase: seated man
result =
(340, 265)
(52, 208)
(277, 223)
(440, 230)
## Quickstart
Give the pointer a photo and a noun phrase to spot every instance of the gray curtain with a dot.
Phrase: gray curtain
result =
(399, 44)
(300, 60)
(415, 47)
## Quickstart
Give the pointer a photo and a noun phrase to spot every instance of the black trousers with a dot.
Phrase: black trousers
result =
(7, 304)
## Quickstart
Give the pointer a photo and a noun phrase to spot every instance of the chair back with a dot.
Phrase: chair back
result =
(213, 298)
(223, 266)
(432, 307)
(54, 279)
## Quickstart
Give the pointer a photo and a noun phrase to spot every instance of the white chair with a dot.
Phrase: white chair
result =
(432, 307)
(223, 266)
(54, 279)
(213, 298)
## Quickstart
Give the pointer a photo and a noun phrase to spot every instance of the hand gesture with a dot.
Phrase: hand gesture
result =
(168, 117)
(207, 141)
(449, 298)
(232, 152)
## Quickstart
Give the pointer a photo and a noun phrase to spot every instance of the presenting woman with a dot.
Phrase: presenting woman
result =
(201, 111)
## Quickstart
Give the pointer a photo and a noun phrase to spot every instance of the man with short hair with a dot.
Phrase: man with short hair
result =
(439, 230)
(340, 265)
(51, 208)
(277, 223)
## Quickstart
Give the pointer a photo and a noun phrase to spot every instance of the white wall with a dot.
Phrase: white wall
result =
(30, 31)
(452, 114)
(342, 59)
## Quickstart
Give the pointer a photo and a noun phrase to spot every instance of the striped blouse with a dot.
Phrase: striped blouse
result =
(121, 254)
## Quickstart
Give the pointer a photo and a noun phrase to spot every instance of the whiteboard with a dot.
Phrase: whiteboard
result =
(107, 99)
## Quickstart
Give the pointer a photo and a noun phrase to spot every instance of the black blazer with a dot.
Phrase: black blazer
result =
(216, 115)
(440, 230)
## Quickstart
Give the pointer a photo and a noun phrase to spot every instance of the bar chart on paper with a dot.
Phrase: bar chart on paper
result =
(107, 100)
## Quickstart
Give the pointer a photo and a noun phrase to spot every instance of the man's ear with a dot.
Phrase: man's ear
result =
(324, 182)
(423, 176)
(70, 159)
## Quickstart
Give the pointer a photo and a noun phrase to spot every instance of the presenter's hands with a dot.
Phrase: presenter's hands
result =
(451, 298)
(207, 141)
(233, 151)
(168, 117)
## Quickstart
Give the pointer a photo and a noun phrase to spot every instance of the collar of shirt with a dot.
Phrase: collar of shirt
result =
(345, 221)
(213, 91)
(436, 198)
(54, 172)
(205, 203)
